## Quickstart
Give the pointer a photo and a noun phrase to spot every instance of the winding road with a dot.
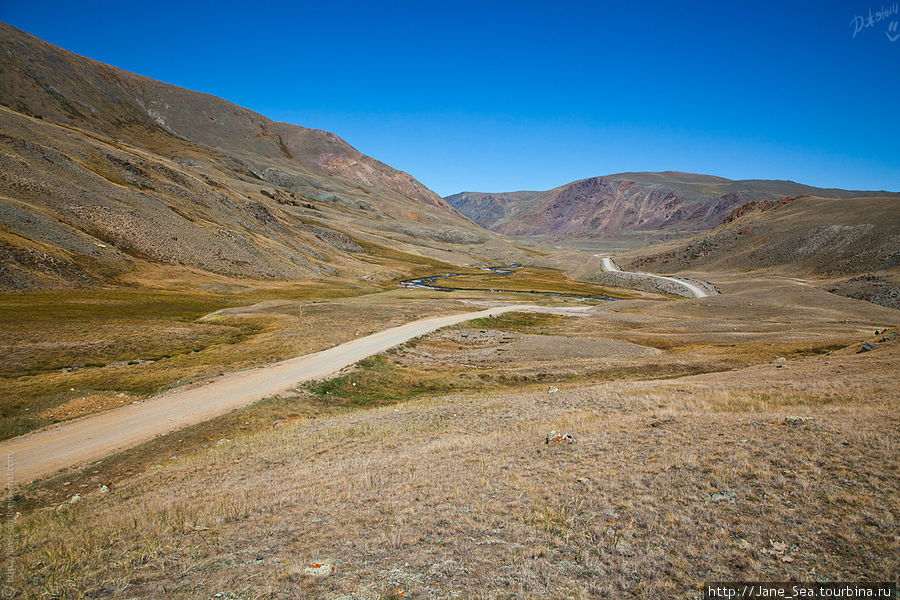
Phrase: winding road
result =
(72, 443)
(695, 291)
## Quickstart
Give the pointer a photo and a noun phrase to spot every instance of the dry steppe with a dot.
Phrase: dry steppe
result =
(740, 436)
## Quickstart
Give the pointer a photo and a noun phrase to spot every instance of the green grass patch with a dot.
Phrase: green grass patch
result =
(520, 322)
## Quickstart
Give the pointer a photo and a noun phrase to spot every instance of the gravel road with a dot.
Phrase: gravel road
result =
(694, 291)
(42, 453)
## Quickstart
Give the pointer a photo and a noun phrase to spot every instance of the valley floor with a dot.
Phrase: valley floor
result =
(738, 436)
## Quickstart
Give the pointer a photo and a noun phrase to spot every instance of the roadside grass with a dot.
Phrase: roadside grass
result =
(386, 379)
(519, 322)
(65, 347)
(73, 346)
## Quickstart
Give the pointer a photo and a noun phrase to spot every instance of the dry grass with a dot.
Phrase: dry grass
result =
(535, 279)
(65, 346)
(451, 491)
(460, 494)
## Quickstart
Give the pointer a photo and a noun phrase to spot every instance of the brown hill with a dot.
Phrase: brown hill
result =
(104, 171)
(624, 204)
(795, 235)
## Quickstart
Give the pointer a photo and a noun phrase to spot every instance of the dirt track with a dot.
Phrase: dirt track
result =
(42, 453)
(693, 291)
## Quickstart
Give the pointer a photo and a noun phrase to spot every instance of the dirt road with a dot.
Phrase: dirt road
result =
(693, 290)
(43, 453)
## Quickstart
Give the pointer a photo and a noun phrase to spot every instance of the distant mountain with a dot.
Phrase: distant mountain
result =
(489, 209)
(103, 171)
(624, 204)
(794, 235)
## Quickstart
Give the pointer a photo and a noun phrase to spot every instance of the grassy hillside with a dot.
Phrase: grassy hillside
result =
(108, 174)
(804, 235)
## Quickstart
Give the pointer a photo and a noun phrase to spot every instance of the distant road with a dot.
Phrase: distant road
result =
(78, 442)
(695, 291)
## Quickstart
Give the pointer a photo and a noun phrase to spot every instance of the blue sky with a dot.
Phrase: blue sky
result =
(493, 96)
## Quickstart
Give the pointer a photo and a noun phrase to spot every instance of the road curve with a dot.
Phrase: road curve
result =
(695, 291)
(42, 453)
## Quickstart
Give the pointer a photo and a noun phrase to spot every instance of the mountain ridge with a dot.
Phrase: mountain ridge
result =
(622, 204)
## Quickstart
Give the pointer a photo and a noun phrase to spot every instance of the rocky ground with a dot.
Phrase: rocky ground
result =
(879, 288)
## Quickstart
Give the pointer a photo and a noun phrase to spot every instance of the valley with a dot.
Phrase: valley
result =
(244, 360)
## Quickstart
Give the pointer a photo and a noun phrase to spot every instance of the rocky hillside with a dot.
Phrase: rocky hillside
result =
(489, 209)
(104, 171)
(796, 235)
(625, 204)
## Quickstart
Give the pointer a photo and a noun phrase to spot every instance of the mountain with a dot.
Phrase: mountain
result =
(625, 204)
(104, 172)
(803, 235)
(489, 209)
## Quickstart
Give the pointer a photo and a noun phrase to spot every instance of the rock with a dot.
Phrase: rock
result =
(319, 569)
(222, 442)
(780, 359)
(892, 335)
(624, 548)
(557, 439)
(75, 499)
(797, 421)
(662, 422)
(105, 487)
(722, 496)
(552, 389)
(866, 347)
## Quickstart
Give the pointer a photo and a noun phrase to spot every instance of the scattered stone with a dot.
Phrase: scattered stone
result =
(584, 481)
(662, 422)
(105, 487)
(464, 335)
(866, 347)
(552, 389)
(722, 496)
(222, 442)
(319, 569)
(624, 548)
(776, 548)
(780, 359)
(797, 421)
(780, 550)
(557, 439)
(892, 335)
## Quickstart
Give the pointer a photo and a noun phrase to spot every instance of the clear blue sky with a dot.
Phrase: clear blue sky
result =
(495, 96)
